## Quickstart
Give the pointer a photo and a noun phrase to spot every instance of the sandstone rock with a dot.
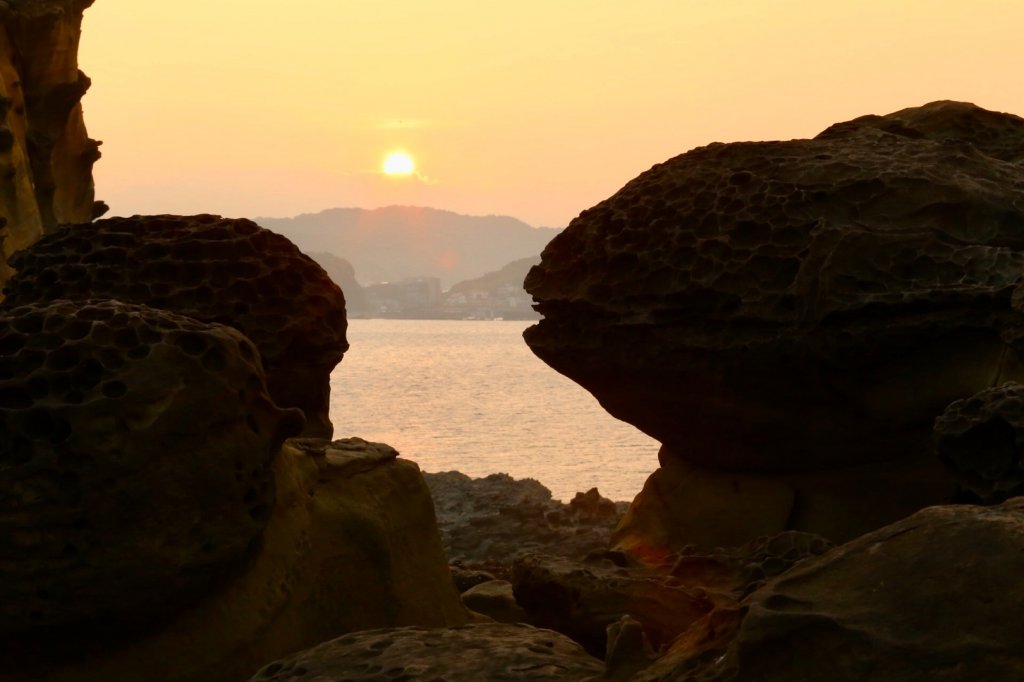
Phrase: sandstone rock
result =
(472, 653)
(981, 439)
(582, 599)
(489, 521)
(135, 455)
(664, 598)
(781, 305)
(684, 504)
(46, 157)
(932, 597)
(466, 578)
(494, 599)
(212, 269)
(351, 544)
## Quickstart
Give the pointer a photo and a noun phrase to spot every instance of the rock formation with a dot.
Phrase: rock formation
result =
(135, 452)
(488, 522)
(46, 157)
(212, 269)
(931, 597)
(350, 544)
(664, 599)
(493, 652)
(981, 439)
(788, 318)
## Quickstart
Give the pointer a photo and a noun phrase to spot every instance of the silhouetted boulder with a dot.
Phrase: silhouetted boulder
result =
(779, 309)
(135, 463)
(212, 269)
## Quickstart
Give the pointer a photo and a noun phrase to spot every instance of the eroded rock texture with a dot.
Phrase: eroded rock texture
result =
(981, 439)
(46, 157)
(664, 596)
(487, 522)
(932, 597)
(213, 269)
(496, 652)
(135, 463)
(803, 306)
(351, 544)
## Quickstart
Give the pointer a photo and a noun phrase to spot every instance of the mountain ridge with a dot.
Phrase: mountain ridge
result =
(397, 242)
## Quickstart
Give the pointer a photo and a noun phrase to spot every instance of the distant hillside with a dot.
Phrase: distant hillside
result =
(512, 275)
(343, 274)
(496, 294)
(393, 243)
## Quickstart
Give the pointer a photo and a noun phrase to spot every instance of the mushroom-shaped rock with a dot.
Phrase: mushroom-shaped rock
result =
(800, 307)
(135, 462)
(495, 652)
(213, 269)
(981, 439)
(777, 306)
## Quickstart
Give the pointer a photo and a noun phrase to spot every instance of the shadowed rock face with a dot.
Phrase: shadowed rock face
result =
(981, 440)
(46, 157)
(135, 462)
(212, 269)
(931, 597)
(492, 651)
(802, 305)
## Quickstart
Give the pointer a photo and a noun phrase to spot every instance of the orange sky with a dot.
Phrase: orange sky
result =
(527, 108)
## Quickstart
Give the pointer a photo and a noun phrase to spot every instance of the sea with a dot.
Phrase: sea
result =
(470, 396)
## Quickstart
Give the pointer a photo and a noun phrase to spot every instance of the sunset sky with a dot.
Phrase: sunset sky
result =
(528, 108)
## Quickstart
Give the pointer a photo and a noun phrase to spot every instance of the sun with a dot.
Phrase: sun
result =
(398, 163)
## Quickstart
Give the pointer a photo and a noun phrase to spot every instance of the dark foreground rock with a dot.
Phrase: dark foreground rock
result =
(663, 597)
(772, 310)
(135, 463)
(981, 440)
(488, 522)
(213, 269)
(933, 597)
(471, 653)
(350, 544)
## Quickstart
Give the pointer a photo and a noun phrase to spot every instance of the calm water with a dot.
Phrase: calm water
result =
(470, 396)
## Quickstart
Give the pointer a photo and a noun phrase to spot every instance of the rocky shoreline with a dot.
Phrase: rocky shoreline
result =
(826, 336)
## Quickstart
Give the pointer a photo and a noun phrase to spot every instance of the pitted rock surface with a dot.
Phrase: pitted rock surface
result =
(931, 597)
(981, 439)
(213, 269)
(470, 653)
(135, 454)
(998, 135)
(801, 305)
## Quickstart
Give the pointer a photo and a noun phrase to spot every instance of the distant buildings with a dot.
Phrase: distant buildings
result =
(422, 298)
(413, 297)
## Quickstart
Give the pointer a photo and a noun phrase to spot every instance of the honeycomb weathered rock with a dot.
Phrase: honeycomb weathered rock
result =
(212, 269)
(135, 462)
(981, 439)
(801, 305)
